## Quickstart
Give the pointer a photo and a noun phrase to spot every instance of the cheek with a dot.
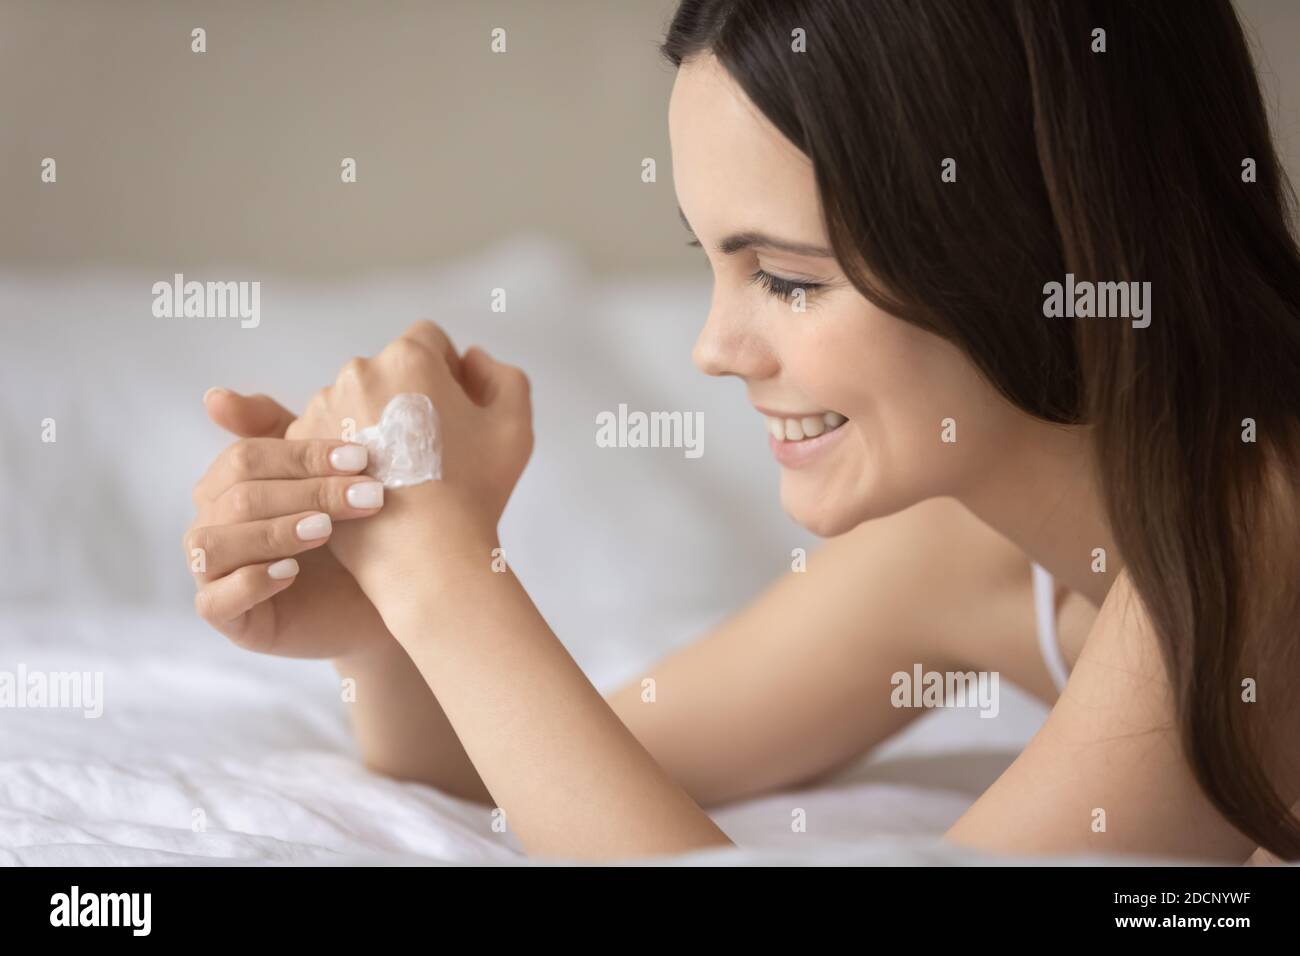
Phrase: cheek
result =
(897, 384)
(886, 374)
(923, 392)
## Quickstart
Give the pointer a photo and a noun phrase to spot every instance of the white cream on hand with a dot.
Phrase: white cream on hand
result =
(406, 446)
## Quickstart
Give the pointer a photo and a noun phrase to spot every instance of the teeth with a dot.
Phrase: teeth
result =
(809, 426)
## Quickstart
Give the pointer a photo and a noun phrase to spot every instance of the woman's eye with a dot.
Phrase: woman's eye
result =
(782, 288)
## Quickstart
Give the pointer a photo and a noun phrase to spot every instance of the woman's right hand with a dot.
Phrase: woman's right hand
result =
(264, 509)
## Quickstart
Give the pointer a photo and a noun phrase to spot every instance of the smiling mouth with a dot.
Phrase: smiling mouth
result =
(799, 428)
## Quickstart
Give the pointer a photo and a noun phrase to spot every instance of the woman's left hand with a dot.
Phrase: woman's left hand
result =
(485, 415)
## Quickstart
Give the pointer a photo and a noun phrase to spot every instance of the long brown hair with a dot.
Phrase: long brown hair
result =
(1138, 154)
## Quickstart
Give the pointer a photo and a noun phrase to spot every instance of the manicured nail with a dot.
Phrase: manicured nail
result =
(313, 527)
(349, 457)
(282, 569)
(214, 390)
(366, 494)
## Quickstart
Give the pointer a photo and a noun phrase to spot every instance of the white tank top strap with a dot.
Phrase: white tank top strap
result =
(1045, 615)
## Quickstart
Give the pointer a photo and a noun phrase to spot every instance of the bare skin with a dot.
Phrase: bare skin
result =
(927, 563)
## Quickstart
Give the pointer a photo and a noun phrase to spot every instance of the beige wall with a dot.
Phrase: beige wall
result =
(171, 160)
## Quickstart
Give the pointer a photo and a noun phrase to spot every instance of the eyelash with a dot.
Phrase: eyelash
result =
(782, 288)
(774, 285)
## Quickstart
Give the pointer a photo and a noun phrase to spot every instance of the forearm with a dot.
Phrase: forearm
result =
(399, 726)
(572, 779)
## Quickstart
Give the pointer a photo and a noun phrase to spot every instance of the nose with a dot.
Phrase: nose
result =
(727, 346)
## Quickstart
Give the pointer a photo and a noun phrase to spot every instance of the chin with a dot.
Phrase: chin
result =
(824, 515)
(828, 512)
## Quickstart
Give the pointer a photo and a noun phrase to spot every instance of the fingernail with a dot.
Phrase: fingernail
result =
(214, 390)
(366, 494)
(349, 457)
(282, 569)
(313, 526)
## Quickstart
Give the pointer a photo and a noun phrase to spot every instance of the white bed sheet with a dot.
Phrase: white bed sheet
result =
(261, 746)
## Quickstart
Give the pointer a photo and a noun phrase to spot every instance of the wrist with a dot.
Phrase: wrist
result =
(421, 578)
(422, 533)
(374, 657)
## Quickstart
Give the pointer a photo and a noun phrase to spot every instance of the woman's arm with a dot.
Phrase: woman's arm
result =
(799, 682)
(571, 778)
(400, 729)
(782, 692)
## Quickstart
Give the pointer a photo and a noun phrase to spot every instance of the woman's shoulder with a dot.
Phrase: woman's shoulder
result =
(1106, 772)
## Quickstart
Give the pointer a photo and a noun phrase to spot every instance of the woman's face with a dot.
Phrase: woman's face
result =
(750, 199)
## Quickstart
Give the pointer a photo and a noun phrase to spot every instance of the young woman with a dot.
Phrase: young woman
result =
(886, 193)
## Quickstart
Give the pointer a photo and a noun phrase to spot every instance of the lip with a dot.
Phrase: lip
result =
(772, 413)
(798, 454)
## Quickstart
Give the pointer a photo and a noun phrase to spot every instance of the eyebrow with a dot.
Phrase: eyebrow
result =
(760, 240)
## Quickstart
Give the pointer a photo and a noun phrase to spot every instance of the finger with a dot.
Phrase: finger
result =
(477, 366)
(225, 600)
(249, 416)
(340, 498)
(254, 459)
(434, 339)
(224, 548)
(492, 383)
